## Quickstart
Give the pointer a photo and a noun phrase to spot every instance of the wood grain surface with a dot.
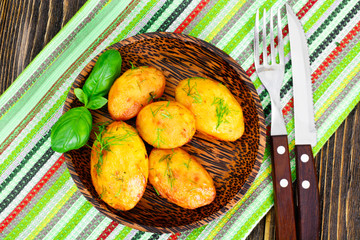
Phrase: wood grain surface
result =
(23, 35)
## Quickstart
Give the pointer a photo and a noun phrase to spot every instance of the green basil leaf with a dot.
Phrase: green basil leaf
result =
(72, 130)
(96, 103)
(106, 70)
(79, 93)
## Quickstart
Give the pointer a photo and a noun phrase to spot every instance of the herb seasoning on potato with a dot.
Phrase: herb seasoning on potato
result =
(119, 166)
(166, 124)
(216, 110)
(178, 177)
(133, 90)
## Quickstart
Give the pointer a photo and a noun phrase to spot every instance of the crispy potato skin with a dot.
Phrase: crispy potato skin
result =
(179, 178)
(121, 178)
(216, 110)
(166, 124)
(131, 91)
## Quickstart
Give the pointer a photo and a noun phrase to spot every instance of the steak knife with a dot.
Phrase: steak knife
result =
(308, 211)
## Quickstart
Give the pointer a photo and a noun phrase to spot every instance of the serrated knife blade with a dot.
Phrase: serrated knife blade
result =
(308, 204)
(305, 131)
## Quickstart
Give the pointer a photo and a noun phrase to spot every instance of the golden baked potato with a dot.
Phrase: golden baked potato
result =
(119, 166)
(166, 124)
(179, 178)
(216, 110)
(133, 90)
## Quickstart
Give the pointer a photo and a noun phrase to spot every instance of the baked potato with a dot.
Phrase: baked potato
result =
(216, 110)
(178, 177)
(166, 124)
(119, 166)
(133, 90)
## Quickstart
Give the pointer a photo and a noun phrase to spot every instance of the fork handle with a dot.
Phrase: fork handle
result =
(308, 208)
(283, 193)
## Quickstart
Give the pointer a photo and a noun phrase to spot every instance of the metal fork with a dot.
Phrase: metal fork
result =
(271, 75)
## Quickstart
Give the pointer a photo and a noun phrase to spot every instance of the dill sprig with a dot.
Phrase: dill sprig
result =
(222, 110)
(152, 96)
(165, 114)
(168, 172)
(156, 191)
(106, 141)
(192, 92)
(187, 165)
(158, 139)
(154, 112)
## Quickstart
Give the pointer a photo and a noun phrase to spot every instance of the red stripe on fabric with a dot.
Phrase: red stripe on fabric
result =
(108, 230)
(335, 52)
(32, 193)
(250, 71)
(191, 16)
(316, 74)
(174, 236)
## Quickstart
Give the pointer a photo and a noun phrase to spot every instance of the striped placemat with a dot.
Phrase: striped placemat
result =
(39, 200)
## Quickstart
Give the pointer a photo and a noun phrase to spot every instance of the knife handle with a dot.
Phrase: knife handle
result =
(283, 193)
(308, 209)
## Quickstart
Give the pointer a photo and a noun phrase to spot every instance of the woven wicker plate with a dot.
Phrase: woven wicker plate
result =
(233, 165)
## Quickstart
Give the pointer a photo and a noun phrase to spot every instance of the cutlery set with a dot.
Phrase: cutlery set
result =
(299, 218)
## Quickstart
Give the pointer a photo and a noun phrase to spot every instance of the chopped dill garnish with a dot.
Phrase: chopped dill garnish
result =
(132, 65)
(152, 96)
(156, 110)
(156, 191)
(101, 196)
(187, 165)
(168, 103)
(105, 142)
(192, 92)
(192, 189)
(168, 172)
(158, 139)
(166, 114)
(222, 110)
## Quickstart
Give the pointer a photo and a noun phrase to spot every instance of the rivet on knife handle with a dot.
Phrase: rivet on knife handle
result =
(308, 211)
(283, 193)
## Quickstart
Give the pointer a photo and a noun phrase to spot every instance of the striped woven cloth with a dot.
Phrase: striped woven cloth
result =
(38, 198)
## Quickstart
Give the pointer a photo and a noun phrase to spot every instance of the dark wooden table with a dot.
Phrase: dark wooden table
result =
(26, 26)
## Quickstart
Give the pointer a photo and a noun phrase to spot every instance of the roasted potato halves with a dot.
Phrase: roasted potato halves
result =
(133, 90)
(179, 178)
(166, 124)
(119, 166)
(216, 110)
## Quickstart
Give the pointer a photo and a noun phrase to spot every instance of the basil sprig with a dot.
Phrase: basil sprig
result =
(72, 130)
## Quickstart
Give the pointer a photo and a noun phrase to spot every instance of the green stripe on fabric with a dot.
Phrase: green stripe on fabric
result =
(60, 182)
(339, 90)
(11, 193)
(254, 218)
(74, 220)
(64, 32)
(195, 233)
(53, 212)
(135, 21)
(26, 159)
(336, 72)
(336, 122)
(247, 27)
(224, 21)
(34, 131)
(207, 18)
(124, 232)
(85, 38)
(183, 5)
(317, 15)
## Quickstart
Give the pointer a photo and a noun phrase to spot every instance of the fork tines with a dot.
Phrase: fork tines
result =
(280, 48)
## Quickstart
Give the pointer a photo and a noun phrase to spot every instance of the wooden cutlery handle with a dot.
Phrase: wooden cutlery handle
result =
(283, 193)
(308, 222)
